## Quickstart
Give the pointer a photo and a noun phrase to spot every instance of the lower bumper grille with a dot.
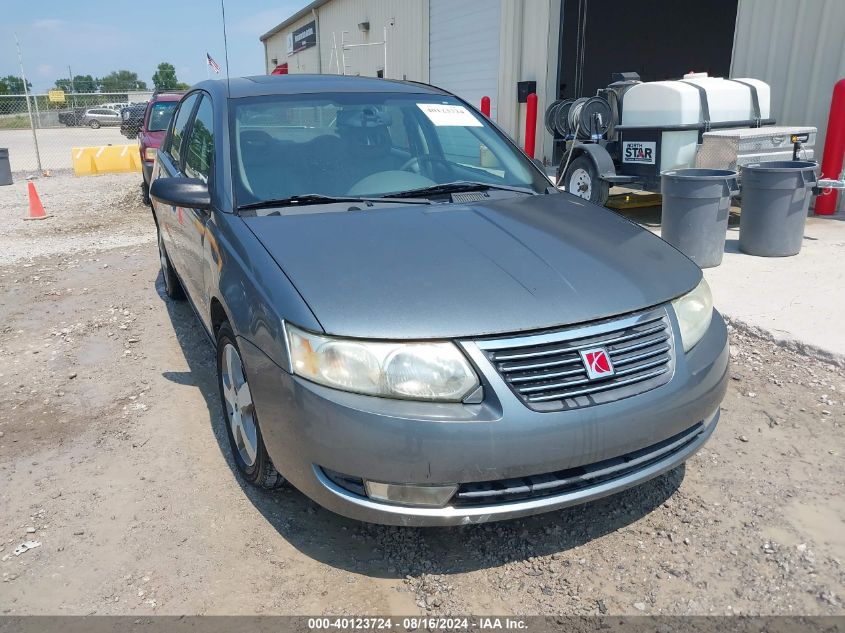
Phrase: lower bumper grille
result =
(547, 373)
(572, 479)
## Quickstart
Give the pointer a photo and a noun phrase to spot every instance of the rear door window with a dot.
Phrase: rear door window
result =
(183, 115)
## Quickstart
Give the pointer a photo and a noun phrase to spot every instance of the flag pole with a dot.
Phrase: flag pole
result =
(206, 66)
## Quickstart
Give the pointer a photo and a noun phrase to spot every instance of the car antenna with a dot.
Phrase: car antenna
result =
(225, 47)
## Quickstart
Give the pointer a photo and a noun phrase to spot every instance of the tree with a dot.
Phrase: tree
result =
(80, 83)
(165, 78)
(12, 85)
(84, 83)
(120, 81)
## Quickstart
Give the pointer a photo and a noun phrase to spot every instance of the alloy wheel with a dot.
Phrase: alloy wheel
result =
(239, 406)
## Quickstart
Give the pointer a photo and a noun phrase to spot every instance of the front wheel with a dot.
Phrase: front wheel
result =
(248, 448)
(582, 179)
(94, 124)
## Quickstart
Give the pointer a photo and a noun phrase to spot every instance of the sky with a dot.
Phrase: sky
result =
(95, 37)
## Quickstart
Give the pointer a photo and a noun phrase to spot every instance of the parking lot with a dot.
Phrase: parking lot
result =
(113, 456)
(55, 145)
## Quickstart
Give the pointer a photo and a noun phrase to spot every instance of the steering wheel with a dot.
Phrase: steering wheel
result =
(414, 165)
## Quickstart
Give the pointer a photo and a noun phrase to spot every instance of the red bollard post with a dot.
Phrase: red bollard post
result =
(834, 149)
(485, 106)
(531, 125)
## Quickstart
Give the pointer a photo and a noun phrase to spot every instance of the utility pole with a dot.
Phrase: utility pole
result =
(28, 107)
(72, 87)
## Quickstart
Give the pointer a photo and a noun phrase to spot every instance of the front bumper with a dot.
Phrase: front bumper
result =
(307, 428)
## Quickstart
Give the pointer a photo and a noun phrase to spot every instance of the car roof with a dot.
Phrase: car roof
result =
(167, 96)
(260, 85)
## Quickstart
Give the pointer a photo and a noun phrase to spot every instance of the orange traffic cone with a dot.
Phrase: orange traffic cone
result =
(36, 209)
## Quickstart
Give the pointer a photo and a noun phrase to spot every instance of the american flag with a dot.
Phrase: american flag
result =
(214, 65)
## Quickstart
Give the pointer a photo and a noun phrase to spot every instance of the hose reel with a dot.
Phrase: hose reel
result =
(584, 118)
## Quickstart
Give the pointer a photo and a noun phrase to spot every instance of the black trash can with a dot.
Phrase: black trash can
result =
(775, 199)
(5, 168)
(696, 205)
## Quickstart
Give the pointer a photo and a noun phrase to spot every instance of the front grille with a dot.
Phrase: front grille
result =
(546, 371)
(572, 479)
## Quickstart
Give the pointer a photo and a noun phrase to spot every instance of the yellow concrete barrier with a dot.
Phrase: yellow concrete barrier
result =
(106, 159)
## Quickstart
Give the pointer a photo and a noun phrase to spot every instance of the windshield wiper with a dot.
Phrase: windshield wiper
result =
(456, 187)
(318, 198)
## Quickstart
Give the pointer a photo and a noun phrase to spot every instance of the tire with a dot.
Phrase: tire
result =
(94, 125)
(582, 179)
(248, 450)
(172, 285)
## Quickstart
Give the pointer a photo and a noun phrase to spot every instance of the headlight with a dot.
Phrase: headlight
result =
(413, 371)
(694, 311)
(150, 153)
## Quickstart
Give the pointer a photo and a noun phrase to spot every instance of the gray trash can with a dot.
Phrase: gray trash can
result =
(775, 199)
(696, 204)
(5, 168)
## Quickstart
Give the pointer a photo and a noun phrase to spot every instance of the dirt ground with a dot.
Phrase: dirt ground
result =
(114, 458)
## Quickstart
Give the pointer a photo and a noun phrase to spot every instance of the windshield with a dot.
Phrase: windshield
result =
(367, 144)
(160, 115)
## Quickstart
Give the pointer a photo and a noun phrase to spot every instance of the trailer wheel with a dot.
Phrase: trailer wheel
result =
(582, 179)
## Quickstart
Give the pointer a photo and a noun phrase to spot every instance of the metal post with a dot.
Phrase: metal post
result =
(319, 41)
(385, 52)
(834, 150)
(72, 87)
(37, 111)
(28, 107)
(531, 124)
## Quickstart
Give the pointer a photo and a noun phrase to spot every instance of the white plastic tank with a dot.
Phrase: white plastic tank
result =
(662, 103)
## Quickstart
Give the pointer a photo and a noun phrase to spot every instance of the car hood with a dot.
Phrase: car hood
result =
(450, 271)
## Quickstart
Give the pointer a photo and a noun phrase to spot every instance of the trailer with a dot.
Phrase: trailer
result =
(632, 131)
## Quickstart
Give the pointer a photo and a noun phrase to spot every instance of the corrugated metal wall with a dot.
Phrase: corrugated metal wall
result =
(407, 36)
(467, 66)
(798, 47)
(407, 39)
(529, 43)
(275, 47)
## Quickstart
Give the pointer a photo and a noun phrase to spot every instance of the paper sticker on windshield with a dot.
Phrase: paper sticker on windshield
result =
(445, 115)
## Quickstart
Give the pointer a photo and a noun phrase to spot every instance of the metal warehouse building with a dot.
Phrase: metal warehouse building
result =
(478, 48)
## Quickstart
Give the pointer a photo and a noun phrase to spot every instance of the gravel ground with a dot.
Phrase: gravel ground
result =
(113, 457)
(94, 213)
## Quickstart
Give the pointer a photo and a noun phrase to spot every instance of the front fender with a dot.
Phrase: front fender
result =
(253, 291)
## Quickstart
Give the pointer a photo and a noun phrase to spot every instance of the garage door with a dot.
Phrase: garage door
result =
(464, 48)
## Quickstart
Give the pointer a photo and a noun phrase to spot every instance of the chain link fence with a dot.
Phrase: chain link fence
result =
(41, 133)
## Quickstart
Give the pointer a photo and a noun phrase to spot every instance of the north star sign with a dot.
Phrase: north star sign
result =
(639, 152)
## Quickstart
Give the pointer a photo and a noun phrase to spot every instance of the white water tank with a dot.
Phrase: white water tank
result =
(664, 103)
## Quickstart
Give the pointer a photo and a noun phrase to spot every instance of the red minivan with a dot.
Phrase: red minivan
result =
(151, 133)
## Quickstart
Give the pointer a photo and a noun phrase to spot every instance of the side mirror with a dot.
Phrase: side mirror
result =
(191, 193)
